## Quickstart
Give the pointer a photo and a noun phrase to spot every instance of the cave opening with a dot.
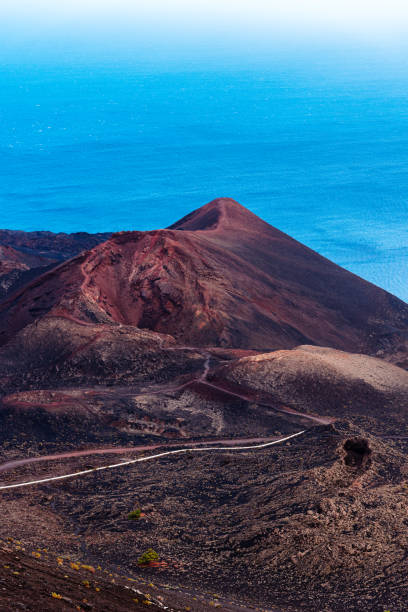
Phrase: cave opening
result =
(358, 453)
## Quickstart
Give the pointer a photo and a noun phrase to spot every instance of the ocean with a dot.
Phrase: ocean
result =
(320, 153)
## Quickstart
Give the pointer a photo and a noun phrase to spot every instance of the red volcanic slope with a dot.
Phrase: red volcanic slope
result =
(11, 258)
(15, 266)
(24, 254)
(7, 253)
(220, 276)
(48, 245)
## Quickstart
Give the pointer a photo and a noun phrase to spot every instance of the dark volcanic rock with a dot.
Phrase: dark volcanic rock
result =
(57, 350)
(47, 582)
(49, 245)
(16, 267)
(296, 524)
(323, 381)
(26, 255)
(156, 336)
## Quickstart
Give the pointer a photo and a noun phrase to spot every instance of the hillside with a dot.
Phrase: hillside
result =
(219, 277)
(322, 381)
(26, 255)
(243, 392)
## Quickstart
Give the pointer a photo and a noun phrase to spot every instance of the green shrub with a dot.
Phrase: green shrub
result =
(135, 514)
(149, 555)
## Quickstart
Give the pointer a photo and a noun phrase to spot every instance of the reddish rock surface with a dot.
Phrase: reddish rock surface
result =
(50, 245)
(10, 257)
(192, 333)
(26, 255)
(219, 277)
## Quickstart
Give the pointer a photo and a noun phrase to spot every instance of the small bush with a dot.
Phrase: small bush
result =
(149, 555)
(135, 514)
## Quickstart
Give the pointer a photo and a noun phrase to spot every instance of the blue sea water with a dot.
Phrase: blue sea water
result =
(319, 153)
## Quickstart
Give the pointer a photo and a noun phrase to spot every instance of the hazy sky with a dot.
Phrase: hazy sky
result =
(365, 17)
(196, 32)
(363, 12)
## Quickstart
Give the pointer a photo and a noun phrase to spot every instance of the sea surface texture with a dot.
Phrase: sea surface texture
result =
(320, 154)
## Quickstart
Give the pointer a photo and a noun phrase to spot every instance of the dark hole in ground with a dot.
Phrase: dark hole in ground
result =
(358, 453)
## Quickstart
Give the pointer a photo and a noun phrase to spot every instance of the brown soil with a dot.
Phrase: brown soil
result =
(193, 333)
(316, 524)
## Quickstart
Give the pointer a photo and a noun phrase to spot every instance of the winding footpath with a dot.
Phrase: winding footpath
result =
(112, 450)
(203, 379)
(190, 449)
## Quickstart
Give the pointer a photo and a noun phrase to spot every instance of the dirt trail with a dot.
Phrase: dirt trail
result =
(206, 369)
(123, 449)
(203, 379)
(290, 411)
(189, 449)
